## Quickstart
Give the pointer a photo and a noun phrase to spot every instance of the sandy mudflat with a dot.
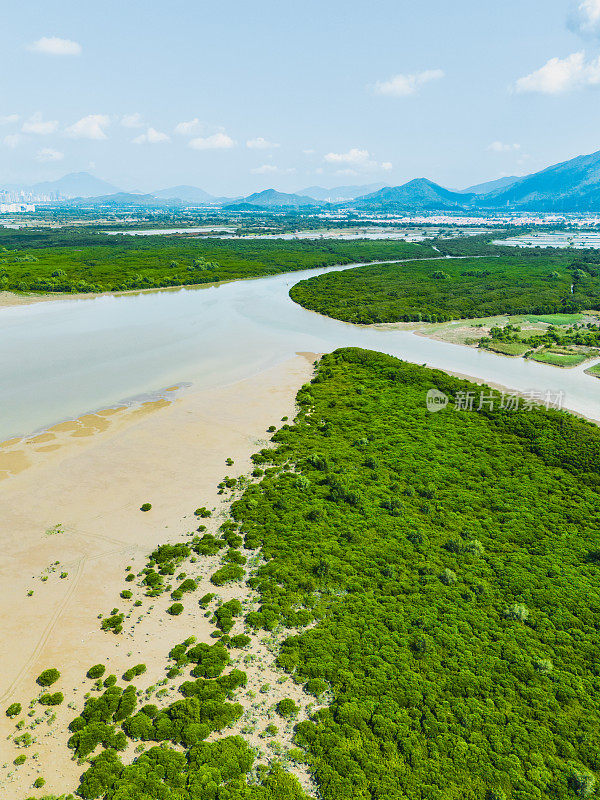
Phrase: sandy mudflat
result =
(72, 495)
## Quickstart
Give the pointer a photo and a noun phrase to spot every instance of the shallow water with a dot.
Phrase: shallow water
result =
(60, 359)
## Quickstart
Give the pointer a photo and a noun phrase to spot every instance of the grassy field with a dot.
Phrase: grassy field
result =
(507, 348)
(555, 319)
(595, 371)
(436, 291)
(558, 359)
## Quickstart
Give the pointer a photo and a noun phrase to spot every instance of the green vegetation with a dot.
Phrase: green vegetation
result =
(467, 288)
(13, 710)
(556, 319)
(48, 677)
(595, 370)
(89, 261)
(133, 672)
(558, 359)
(20, 760)
(507, 348)
(146, 507)
(52, 699)
(287, 708)
(198, 769)
(175, 609)
(561, 348)
(227, 574)
(451, 562)
(239, 640)
(97, 671)
(113, 623)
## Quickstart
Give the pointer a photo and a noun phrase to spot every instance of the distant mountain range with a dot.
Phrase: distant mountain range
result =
(419, 195)
(76, 184)
(187, 194)
(573, 185)
(269, 198)
(340, 193)
(490, 186)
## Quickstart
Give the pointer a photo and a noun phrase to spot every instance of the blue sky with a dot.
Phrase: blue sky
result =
(237, 96)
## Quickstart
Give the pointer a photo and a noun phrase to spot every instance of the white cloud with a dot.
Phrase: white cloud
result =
(53, 46)
(404, 85)
(132, 120)
(189, 128)
(218, 141)
(585, 17)
(260, 144)
(356, 160)
(90, 127)
(37, 125)
(265, 169)
(269, 169)
(152, 136)
(502, 147)
(12, 140)
(48, 154)
(9, 119)
(559, 75)
(353, 156)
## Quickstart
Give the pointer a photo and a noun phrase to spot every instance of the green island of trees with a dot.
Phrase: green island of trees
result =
(450, 564)
(67, 260)
(460, 288)
(451, 561)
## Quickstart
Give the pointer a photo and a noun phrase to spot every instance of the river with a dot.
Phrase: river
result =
(62, 358)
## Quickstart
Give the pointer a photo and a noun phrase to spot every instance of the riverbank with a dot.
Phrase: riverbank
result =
(75, 511)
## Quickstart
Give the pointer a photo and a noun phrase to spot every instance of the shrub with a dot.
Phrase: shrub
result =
(130, 577)
(52, 699)
(13, 710)
(48, 677)
(227, 574)
(146, 507)
(202, 512)
(97, 671)
(205, 599)
(133, 672)
(38, 783)
(113, 623)
(110, 681)
(316, 686)
(582, 781)
(240, 640)
(517, 611)
(20, 760)
(448, 577)
(126, 594)
(175, 609)
(287, 708)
